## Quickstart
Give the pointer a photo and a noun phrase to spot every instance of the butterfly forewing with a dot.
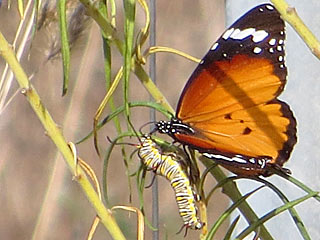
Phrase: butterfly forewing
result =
(230, 100)
(253, 44)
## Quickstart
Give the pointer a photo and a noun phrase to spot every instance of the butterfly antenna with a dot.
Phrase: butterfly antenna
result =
(134, 130)
(152, 181)
(122, 143)
(146, 124)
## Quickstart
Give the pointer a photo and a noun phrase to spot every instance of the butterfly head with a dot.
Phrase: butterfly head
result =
(173, 127)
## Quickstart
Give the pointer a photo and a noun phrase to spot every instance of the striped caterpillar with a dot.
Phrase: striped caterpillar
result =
(165, 165)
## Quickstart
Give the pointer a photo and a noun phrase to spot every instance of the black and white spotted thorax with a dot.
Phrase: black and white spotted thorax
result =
(175, 126)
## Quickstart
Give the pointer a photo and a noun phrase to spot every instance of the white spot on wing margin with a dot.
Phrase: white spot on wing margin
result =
(269, 7)
(214, 47)
(227, 33)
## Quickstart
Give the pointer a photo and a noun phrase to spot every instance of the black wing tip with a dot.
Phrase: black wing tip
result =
(263, 10)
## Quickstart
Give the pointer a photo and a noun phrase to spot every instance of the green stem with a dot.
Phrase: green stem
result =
(290, 15)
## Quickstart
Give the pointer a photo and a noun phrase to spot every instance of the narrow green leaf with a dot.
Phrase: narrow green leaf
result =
(106, 163)
(120, 109)
(65, 49)
(227, 213)
(21, 8)
(113, 11)
(231, 228)
(220, 184)
(110, 33)
(231, 190)
(108, 69)
(297, 183)
(36, 6)
(272, 213)
(129, 9)
(294, 214)
(107, 62)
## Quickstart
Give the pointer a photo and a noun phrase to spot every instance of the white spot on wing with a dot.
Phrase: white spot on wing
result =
(272, 41)
(281, 42)
(239, 35)
(259, 36)
(280, 58)
(257, 50)
(234, 33)
(269, 7)
(252, 160)
(279, 48)
(217, 156)
(233, 159)
(227, 33)
(214, 47)
(239, 160)
(271, 50)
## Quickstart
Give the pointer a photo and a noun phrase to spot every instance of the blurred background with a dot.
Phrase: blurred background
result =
(39, 199)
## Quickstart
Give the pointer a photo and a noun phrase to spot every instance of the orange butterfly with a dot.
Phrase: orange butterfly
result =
(229, 110)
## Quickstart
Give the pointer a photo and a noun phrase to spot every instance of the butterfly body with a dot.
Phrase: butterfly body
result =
(229, 106)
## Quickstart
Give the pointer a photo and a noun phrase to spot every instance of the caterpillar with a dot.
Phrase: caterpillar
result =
(165, 165)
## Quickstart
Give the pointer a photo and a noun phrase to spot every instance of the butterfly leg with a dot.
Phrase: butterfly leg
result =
(152, 181)
(277, 167)
(193, 168)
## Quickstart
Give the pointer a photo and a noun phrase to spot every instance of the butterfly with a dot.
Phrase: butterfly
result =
(228, 109)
